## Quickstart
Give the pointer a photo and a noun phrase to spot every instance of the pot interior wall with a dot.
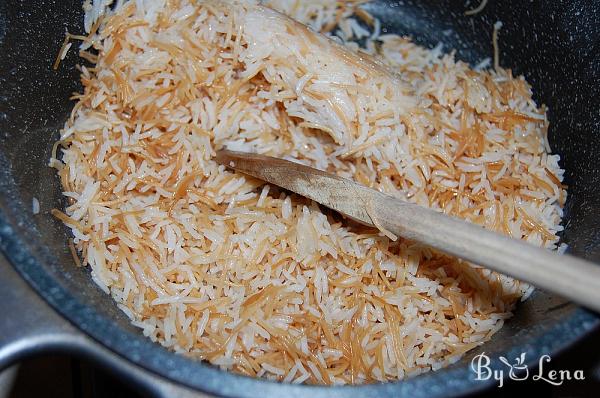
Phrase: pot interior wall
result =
(555, 45)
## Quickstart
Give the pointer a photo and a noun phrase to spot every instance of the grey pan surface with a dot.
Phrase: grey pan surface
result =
(554, 44)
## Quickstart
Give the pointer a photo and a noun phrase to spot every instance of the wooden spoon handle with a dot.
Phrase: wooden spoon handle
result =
(570, 277)
(567, 276)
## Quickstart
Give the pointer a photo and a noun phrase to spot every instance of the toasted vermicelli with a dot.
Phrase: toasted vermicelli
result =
(221, 267)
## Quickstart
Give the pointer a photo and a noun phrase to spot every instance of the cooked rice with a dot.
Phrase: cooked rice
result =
(35, 205)
(216, 265)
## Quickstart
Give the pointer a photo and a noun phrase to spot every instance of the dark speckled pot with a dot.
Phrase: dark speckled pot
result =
(555, 44)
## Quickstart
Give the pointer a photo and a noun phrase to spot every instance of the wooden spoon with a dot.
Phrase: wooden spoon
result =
(570, 277)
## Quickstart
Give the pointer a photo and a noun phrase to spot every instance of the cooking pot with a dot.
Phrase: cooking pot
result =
(555, 44)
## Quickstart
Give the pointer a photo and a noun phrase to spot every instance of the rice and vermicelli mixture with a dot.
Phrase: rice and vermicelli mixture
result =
(221, 267)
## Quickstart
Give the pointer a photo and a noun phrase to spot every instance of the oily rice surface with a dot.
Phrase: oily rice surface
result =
(224, 268)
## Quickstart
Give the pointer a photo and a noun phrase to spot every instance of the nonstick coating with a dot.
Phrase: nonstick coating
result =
(555, 44)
